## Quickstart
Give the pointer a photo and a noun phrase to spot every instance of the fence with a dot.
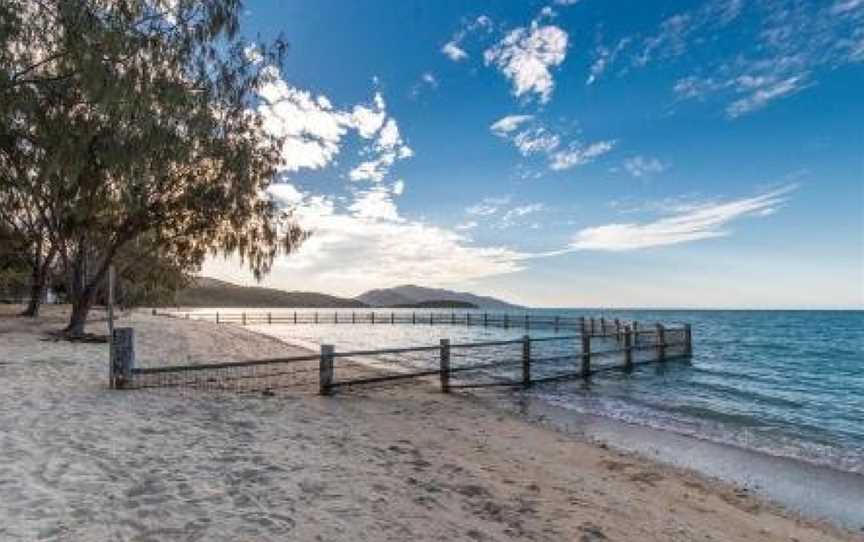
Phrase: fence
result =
(601, 345)
(504, 320)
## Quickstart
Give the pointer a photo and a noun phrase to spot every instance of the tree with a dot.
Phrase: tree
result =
(134, 121)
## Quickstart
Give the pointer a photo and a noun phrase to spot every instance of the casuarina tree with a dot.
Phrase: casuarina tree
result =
(134, 122)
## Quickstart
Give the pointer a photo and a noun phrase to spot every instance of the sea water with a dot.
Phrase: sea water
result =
(788, 383)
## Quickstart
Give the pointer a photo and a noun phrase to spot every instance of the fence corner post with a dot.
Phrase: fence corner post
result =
(586, 355)
(445, 365)
(325, 373)
(122, 356)
(661, 343)
(526, 360)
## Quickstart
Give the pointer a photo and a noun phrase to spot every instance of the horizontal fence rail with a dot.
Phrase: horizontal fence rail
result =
(506, 320)
(601, 345)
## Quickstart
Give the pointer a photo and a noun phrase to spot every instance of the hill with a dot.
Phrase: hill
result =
(410, 294)
(438, 304)
(209, 292)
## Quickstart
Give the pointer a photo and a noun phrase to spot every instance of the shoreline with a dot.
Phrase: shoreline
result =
(81, 462)
(818, 492)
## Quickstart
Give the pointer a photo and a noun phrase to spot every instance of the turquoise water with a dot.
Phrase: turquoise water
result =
(789, 383)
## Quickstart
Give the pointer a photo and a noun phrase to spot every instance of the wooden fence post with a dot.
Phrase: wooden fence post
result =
(618, 330)
(628, 348)
(445, 365)
(688, 340)
(336, 317)
(353, 317)
(243, 318)
(592, 326)
(372, 316)
(586, 356)
(295, 317)
(325, 370)
(122, 356)
(217, 317)
(635, 333)
(269, 317)
(661, 343)
(413, 317)
(526, 360)
(316, 317)
(506, 321)
(485, 319)
(582, 329)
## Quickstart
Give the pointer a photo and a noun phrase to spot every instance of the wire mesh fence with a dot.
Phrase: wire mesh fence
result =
(600, 346)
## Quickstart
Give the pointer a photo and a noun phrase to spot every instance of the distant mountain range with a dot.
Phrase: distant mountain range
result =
(209, 292)
(411, 294)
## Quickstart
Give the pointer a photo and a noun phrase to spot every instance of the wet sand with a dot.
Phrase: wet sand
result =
(81, 462)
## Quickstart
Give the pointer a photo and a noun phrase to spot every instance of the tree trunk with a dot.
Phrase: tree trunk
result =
(81, 306)
(41, 266)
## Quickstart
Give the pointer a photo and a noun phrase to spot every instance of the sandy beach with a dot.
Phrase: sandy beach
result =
(81, 462)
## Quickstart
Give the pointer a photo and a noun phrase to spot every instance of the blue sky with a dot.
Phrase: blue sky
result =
(572, 153)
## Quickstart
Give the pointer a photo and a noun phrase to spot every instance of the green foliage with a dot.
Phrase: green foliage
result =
(125, 120)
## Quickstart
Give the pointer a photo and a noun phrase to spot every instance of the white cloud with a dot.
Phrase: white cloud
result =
(488, 206)
(505, 125)
(566, 2)
(688, 223)
(526, 56)
(370, 244)
(578, 155)
(454, 52)
(536, 140)
(765, 93)
(313, 129)
(399, 187)
(498, 213)
(640, 166)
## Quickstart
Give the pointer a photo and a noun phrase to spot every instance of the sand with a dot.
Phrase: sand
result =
(81, 462)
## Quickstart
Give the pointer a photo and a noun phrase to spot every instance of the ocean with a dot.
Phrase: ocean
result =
(786, 383)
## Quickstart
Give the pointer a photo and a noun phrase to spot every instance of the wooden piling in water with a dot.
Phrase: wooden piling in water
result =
(586, 356)
(445, 365)
(661, 343)
(526, 360)
(628, 348)
(688, 340)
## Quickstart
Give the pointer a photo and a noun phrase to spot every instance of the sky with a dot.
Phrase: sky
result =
(571, 153)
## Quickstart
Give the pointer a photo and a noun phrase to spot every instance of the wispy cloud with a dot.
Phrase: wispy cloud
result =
(641, 166)
(781, 54)
(578, 155)
(526, 57)
(499, 213)
(454, 52)
(532, 138)
(454, 49)
(505, 125)
(684, 224)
